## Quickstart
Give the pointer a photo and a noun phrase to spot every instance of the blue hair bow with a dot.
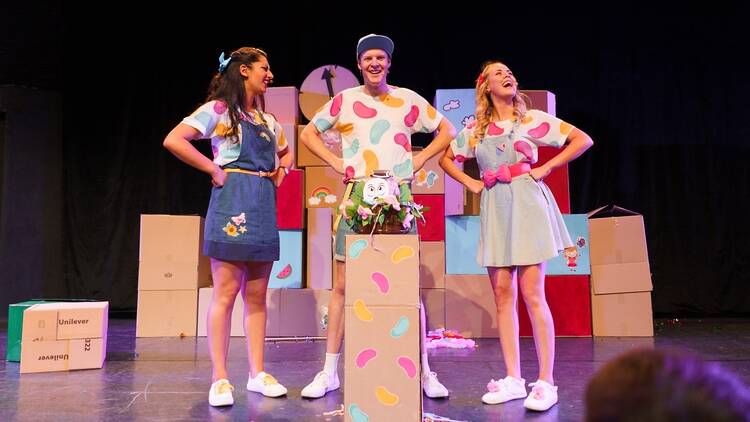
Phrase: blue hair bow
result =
(223, 63)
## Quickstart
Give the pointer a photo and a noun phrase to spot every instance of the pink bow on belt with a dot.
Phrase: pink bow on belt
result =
(504, 174)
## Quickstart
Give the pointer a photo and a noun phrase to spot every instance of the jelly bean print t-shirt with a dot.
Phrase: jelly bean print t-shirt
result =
(376, 131)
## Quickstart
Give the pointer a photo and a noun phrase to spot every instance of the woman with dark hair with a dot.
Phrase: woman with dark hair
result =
(241, 236)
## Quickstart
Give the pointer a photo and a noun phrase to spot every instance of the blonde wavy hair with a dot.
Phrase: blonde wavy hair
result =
(521, 103)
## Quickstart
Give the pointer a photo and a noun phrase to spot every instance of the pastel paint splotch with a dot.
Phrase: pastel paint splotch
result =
(381, 281)
(364, 357)
(400, 328)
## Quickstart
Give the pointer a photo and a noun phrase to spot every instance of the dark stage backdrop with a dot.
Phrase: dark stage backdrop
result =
(664, 99)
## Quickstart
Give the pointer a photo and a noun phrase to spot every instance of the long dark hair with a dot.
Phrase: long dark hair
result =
(228, 86)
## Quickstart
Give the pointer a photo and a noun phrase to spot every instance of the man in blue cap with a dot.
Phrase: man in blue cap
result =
(376, 122)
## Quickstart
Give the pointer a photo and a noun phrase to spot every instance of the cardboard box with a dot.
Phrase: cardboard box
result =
(306, 310)
(618, 236)
(434, 308)
(432, 264)
(456, 105)
(306, 158)
(172, 238)
(166, 313)
(64, 336)
(383, 370)
(65, 321)
(63, 355)
(622, 314)
(470, 306)
(541, 100)
(433, 229)
(170, 253)
(382, 344)
(273, 306)
(324, 187)
(430, 179)
(382, 270)
(461, 245)
(319, 249)
(569, 300)
(283, 103)
(290, 202)
(287, 272)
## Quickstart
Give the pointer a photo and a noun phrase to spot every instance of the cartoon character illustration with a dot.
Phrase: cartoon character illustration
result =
(380, 185)
(571, 254)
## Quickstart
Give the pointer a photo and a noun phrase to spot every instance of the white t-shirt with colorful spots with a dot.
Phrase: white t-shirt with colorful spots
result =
(212, 121)
(376, 131)
(537, 128)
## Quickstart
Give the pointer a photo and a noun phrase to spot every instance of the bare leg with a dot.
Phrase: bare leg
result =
(423, 332)
(255, 313)
(336, 311)
(506, 298)
(532, 288)
(227, 276)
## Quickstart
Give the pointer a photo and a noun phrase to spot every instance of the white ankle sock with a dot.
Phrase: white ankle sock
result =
(332, 363)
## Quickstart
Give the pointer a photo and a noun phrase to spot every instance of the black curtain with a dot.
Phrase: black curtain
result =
(664, 99)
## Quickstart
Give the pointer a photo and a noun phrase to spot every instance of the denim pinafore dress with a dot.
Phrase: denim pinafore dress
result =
(241, 217)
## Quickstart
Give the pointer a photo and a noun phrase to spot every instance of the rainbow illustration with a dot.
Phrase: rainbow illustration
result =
(321, 195)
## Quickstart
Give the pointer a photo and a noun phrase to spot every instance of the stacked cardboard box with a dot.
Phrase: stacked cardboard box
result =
(620, 274)
(63, 336)
(382, 328)
(171, 270)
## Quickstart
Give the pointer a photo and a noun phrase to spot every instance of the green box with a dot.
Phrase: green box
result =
(15, 328)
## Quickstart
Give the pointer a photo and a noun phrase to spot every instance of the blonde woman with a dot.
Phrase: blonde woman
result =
(521, 225)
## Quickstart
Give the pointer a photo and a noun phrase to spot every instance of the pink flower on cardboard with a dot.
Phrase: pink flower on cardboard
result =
(492, 386)
(364, 212)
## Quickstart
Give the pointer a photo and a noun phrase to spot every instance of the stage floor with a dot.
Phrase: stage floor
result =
(160, 379)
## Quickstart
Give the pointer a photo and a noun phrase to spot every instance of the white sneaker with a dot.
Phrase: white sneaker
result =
(432, 387)
(320, 385)
(506, 389)
(265, 384)
(542, 397)
(220, 393)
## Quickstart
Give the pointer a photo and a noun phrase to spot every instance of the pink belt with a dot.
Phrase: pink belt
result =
(504, 174)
